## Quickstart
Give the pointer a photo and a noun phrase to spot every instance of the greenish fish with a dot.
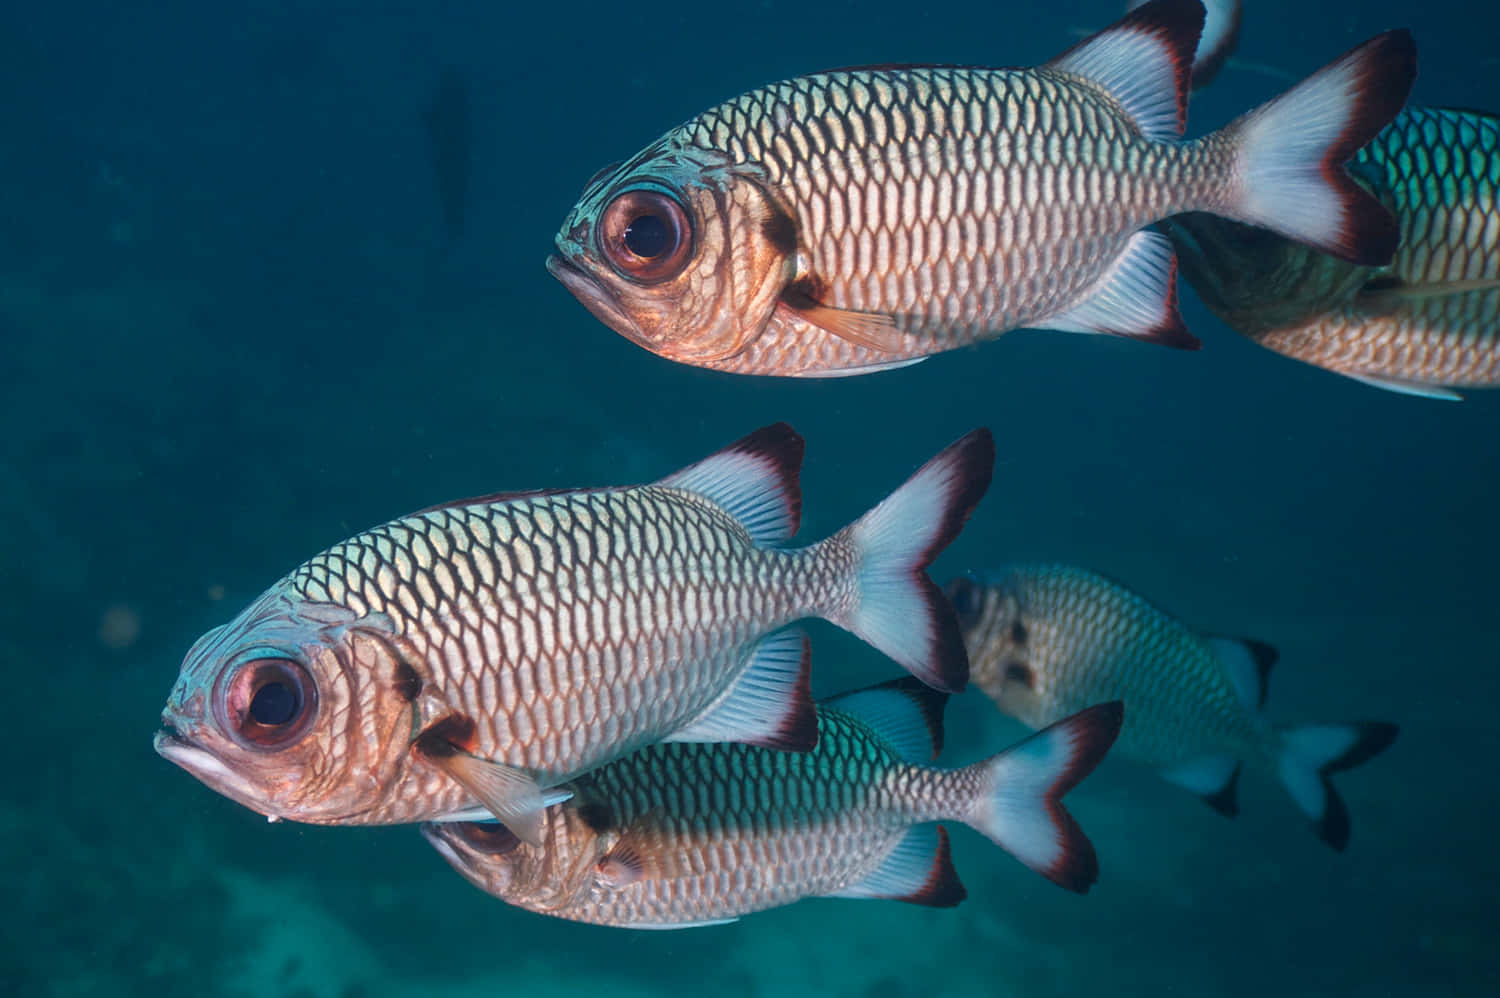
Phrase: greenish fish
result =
(682, 835)
(1045, 640)
(1427, 323)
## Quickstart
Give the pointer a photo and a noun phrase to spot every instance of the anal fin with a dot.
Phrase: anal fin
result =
(1136, 298)
(770, 704)
(918, 871)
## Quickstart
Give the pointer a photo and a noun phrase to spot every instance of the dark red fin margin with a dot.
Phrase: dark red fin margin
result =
(943, 889)
(784, 448)
(799, 727)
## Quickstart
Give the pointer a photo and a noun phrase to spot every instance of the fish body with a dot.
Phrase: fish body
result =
(680, 835)
(488, 650)
(863, 219)
(1426, 323)
(1045, 638)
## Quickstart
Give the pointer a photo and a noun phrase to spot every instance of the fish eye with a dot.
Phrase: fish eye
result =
(488, 837)
(967, 600)
(269, 703)
(646, 236)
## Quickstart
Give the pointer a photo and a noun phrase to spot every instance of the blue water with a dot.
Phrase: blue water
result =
(232, 332)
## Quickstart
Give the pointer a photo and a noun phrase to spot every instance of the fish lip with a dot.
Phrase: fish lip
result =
(593, 295)
(208, 768)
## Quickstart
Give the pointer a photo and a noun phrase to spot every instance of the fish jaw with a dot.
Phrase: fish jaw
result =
(593, 295)
(210, 770)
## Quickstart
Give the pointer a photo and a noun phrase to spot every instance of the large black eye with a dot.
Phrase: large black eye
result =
(269, 703)
(967, 599)
(646, 236)
(489, 837)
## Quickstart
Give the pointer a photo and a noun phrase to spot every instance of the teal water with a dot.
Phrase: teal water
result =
(233, 331)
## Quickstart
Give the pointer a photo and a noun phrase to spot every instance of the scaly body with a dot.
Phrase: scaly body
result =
(681, 835)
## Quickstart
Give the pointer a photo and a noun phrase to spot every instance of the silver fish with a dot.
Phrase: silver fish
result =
(486, 651)
(864, 219)
(1045, 639)
(676, 836)
(1427, 323)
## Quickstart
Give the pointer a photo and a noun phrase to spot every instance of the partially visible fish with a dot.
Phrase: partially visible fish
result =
(1427, 323)
(864, 219)
(488, 650)
(1046, 639)
(676, 836)
(1221, 33)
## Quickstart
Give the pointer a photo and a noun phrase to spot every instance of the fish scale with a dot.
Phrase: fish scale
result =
(888, 231)
(518, 556)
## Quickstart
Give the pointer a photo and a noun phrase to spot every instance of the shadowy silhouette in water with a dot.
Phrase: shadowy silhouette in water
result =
(450, 143)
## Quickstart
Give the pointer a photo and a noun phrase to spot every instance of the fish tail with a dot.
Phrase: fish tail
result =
(1291, 153)
(1311, 753)
(896, 606)
(1020, 803)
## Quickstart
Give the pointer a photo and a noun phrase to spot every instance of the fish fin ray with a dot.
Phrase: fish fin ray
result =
(1292, 151)
(665, 926)
(871, 330)
(1310, 753)
(919, 870)
(514, 797)
(624, 864)
(1144, 61)
(1383, 295)
(769, 705)
(1020, 804)
(1248, 664)
(1137, 298)
(905, 713)
(756, 479)
(899, 609)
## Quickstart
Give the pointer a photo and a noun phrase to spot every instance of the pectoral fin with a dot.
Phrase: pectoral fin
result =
(514, 797)
(624, 865)
(871, 330)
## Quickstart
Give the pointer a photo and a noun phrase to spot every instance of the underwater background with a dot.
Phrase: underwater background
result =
(236, 327)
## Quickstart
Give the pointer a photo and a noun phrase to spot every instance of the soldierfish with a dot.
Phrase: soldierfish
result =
(488, 650)
(1046, 639)
(675, 836)
(1425, 324)
(863, 219)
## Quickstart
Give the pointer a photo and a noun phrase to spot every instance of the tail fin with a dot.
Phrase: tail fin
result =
(897, 608)
(1020, 806)
(1292, 151)
(1310, 753)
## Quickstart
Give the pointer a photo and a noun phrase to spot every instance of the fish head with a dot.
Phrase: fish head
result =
(1000, 640)
(294, 709)
(557, 875)
(680, 251)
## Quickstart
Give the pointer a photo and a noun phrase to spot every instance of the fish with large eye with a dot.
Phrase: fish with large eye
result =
(270, 702)
(864, 219)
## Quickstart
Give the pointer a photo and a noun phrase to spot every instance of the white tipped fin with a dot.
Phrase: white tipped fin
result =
(1248, 664)
(755, 479)
(905, 713)
(1144, 61)
(1400, 387)
(919, 870)
(1136, 298)
(770, 704)
(512, 796)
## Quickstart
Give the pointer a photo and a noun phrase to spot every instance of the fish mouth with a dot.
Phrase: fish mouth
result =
(593, 296)
(208, 768)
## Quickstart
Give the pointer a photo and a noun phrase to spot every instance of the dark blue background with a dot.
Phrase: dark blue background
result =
(229, 337)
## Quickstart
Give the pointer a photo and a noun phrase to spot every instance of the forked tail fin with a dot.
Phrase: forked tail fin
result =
(1310, 753)
(1292, 151)
(898, 608)
(1020, 806)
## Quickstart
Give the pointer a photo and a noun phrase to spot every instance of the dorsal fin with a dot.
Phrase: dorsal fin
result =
(755, 479)
(906, 713)
(1145, 62)
(1248, 663)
